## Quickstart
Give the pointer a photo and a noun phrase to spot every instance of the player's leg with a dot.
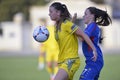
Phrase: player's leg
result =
(88, 73)
(55, 63)
(49, 69)
(97, 76)
(41, 59)
(68, 69)
(49, 65)
(98, 73)
(61, 75)
(55, 69)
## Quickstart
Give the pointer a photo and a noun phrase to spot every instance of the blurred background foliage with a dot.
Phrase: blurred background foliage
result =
(10, 7)
(98, 1)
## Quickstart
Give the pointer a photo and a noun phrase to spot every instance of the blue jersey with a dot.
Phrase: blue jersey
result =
(93, 31)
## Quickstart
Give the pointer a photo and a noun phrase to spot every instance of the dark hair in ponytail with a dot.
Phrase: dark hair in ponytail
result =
(63, 9)
(64, 13)
(101, 17)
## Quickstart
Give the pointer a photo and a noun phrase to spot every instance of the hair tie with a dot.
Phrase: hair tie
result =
(63, 5)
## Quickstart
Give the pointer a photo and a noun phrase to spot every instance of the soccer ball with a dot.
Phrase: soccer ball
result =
(40, 34)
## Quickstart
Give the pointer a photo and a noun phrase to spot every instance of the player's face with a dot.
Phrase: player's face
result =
(54, 14)
(88, 17)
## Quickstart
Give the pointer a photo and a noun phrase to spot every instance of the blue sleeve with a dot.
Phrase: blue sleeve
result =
(90, 28)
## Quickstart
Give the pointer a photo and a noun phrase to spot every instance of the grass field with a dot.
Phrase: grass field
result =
(25, 68)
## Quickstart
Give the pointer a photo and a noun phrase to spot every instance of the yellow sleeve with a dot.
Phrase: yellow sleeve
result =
(71, 27)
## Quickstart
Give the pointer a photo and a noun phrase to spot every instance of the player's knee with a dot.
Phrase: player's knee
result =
(55, 64)
(49, 64)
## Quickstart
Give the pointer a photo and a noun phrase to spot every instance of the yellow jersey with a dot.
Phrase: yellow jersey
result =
(51, 44)
(67, 41)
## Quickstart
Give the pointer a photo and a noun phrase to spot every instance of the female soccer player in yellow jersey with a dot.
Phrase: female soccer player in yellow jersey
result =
(66, 33)
(51, 50)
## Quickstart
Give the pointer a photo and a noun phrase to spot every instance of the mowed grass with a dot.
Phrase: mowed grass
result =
(26, 68)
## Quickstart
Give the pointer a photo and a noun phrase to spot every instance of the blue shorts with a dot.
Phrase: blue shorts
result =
(89, 73)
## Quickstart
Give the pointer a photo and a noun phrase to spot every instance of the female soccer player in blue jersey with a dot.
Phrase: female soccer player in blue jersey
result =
(66, 33)
(93, 17)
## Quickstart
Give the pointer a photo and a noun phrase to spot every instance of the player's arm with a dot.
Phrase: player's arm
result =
(81, 34)
(73, 20)
(74, 17)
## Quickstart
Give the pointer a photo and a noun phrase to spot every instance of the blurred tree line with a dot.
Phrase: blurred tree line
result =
(10, 7)
(98, 1)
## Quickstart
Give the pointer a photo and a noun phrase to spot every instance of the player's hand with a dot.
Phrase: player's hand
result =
(94, 58)
(74, 17)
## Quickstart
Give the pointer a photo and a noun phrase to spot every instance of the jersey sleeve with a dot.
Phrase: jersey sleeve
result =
(71, 27)
(90, 28)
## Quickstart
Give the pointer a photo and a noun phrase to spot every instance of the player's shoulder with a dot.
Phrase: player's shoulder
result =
(50, 27)
(68, 23)
(93, 24)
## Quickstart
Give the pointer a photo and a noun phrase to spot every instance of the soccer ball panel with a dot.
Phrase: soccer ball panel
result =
(40, 34)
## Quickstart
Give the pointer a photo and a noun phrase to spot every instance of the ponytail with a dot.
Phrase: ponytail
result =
(63, 9)
(63, 15)
(101, 17)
